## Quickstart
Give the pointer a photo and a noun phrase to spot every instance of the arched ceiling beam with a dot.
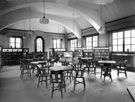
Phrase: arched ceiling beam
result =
(92, 16)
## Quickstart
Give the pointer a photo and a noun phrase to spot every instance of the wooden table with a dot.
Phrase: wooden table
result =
(86, 58)
(107, 62)
(106, 66)
(38, 62)
(60, 68)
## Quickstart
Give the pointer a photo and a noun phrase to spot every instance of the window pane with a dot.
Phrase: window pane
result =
(114, 42)
(120, 34)
(127, 41)
(95, 38)
(133, 41)
(133, 33)
(18, 40)
(12, 39)
(39, 45)
(114, 35)
(120, 48)
(127, 47)
(12, 45)
(120, 41)
(133, 48)
(94, 44)
(127, 34)
(18, 45)
(114, 48)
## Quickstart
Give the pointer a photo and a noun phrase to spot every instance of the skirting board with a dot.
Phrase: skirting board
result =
(131, 90)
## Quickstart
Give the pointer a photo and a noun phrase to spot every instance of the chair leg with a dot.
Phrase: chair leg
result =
(52, 90)
(118, 73)
(111, 77)
(61, 85)
(74, 83)
(95, 70)
(46, 81)
(84, 83)
(126, 73)
(38, 81)
(104, 78)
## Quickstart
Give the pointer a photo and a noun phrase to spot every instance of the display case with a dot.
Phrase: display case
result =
(58, 51)
(88, 53)
(11, 56)
(102, 53)
(78, 52)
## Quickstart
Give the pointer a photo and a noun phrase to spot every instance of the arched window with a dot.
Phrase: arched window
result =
(39, 44)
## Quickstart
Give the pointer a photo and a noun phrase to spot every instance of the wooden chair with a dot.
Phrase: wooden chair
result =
(58, 82)
(68, 73)
(79, 74)
(121, 68)
(43, 74)
(106, 71)
(91, 66)
(24, 68)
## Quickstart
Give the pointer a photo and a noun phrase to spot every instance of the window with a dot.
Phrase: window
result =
(129, 40)
(123, 41)
(73, 43)
(39, 44)
(57, 43)
(15, 42)
(91, 42)
(117, 41)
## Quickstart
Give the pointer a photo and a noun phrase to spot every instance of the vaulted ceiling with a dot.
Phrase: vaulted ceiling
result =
(65, 16)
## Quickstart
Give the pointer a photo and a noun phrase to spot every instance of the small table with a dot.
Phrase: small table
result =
(107, 62)
(60, 68)
(107, 71)
(36, 63)
(86, 58)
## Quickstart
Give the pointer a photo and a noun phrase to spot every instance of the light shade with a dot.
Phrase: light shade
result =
(44, 20)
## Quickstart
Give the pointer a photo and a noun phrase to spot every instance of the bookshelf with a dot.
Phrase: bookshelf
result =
(11, 56)
(102, 53)
(88, 53)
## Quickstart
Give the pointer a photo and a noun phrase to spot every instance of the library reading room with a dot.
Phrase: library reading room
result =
(67, 50)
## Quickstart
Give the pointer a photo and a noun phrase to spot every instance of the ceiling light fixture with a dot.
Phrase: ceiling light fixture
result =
(100, 29)
(24, 37)
(73, 22)
(30, 31)
(44, 20)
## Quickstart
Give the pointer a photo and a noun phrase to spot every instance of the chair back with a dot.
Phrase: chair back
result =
(24, 64)
(57, 76)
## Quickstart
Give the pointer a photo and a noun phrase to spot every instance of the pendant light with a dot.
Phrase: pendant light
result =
(44, 20)
(30, 31)
(100, 29)
(24, 37)
(73, 22)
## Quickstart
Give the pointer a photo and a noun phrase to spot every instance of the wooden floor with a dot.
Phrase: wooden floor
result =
(15, 89)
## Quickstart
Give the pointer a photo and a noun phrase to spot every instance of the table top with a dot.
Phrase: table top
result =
(60, 68)
(107, 62)
(38, 62)
(86, 58)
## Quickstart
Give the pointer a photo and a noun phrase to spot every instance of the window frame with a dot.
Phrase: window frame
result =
(124, 42)
(15, 43)
(39, 37)
(73, 48)
(60, 45)
(92, 44)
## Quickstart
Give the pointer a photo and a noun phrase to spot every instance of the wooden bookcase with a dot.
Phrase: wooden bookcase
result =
(88, 53)
(102, 53)
(54, 51)
(11, 56)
